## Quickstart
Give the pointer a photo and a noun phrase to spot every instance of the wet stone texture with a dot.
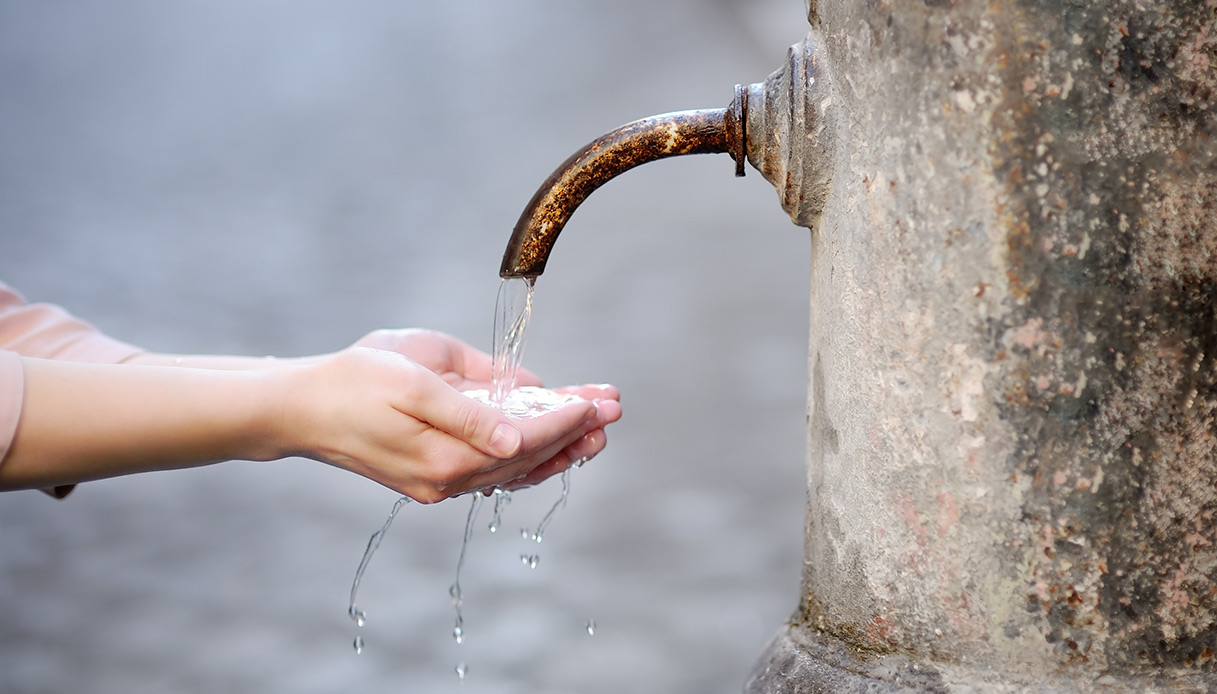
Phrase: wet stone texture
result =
(1114, 398)
(1012, 477)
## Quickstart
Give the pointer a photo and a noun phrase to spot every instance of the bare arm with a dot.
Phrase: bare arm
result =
(373, 411)
(87, 421)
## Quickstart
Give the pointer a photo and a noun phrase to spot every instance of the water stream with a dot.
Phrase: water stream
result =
(513, 309)
(357, 615)
(454, 591)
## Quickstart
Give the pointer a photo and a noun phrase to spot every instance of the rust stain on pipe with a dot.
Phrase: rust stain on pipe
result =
(705, 131)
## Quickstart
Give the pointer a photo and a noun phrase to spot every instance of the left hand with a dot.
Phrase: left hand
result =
(460, 365)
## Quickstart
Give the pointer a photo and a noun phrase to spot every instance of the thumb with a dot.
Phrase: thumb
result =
(479, 425)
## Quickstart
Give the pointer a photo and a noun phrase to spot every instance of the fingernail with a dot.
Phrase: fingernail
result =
(505, 441)
(593, 415)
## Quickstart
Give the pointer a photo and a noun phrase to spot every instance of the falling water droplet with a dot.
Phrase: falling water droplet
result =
(461, 670)
(458, 634)
(358, 645)
(501, 499)
(530, 560)
(358, 616)
(591, 627)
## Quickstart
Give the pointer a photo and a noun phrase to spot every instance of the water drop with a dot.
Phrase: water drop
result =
(525, 533)
(458, 634)
(501, 499)
(358, 645)
(591, 627)
(530, 560)
(461, 670)
(358, 616)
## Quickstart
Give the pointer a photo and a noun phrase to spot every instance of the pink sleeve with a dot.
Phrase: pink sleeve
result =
(48, 332)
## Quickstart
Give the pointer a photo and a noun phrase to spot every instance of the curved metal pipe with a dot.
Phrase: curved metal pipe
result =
(785, 127)
(705, 131)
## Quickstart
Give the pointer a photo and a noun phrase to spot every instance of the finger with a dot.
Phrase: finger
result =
(606, 412)
(587, 447)
(603, 391)
(554, 466)
(480, 426)
(546, 434)
(576, 454)
(609, 411)
(539, 447)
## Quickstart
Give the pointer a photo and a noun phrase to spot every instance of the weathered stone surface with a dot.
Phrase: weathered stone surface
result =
(1013, 397)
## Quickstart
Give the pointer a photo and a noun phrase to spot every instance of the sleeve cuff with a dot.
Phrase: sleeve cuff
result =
(12, 393)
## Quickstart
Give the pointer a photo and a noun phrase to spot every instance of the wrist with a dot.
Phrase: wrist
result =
(275, 414)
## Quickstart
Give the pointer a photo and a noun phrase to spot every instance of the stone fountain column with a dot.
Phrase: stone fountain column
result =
(1012, 413)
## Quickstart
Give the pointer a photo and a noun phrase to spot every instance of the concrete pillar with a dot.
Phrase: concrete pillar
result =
(1012, 414)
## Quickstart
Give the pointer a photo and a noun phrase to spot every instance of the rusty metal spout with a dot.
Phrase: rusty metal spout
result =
(633, 144)
(770, 124)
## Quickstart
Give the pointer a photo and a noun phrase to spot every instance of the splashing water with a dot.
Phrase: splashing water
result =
(513, 310)
(357, 615)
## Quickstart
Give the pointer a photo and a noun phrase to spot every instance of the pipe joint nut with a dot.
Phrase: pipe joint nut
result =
(791, 134)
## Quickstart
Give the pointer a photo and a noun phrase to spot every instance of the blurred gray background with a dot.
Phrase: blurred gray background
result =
(280, 177)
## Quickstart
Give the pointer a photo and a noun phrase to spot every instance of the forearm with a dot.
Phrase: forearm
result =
(88, 421)
(215, 362)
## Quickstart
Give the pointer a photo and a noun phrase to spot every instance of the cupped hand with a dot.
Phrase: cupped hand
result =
(387, 409)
